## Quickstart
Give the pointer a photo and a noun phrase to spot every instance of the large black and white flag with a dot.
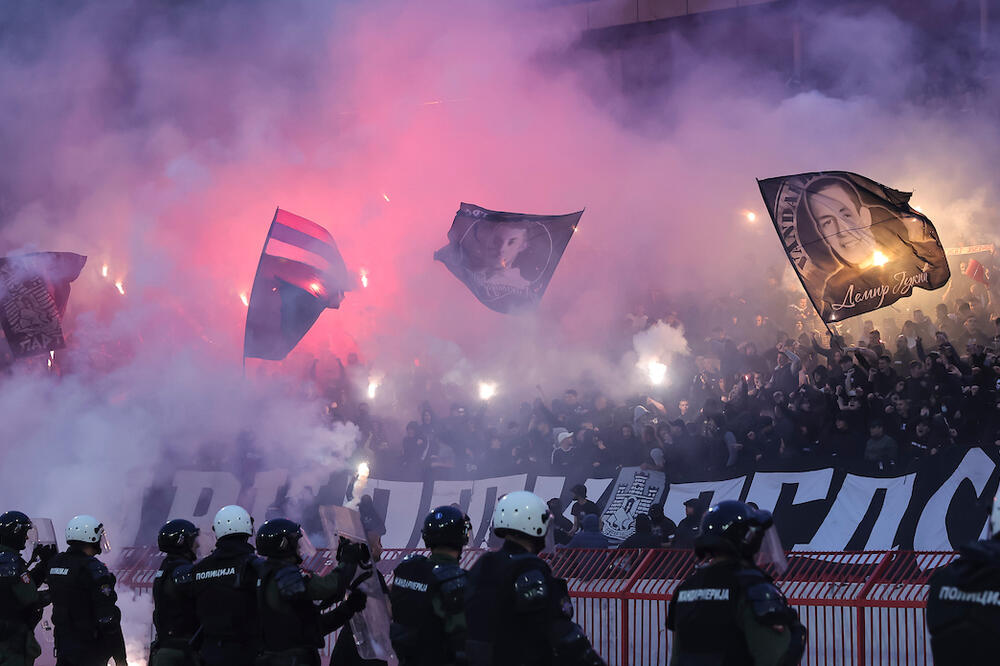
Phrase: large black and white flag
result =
(506, 259)
(855, 244)
(34, 291)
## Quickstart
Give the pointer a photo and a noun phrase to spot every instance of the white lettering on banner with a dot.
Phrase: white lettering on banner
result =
(932, 530)
(983, 598)
(704, 594)
(215, 573)
(679, 493)
(58, 571)
(225, 489)
(851, 505)
(409, 584)
(402, 511)
(812, 486)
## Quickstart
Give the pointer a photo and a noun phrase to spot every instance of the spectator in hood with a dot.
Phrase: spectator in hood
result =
(590, 535)
(561, 525)
(690, 526)
(662, 527)
(643, 536)
(581, 505)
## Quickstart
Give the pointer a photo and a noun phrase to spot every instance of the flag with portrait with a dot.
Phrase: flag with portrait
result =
(506, 259)
(856, 245)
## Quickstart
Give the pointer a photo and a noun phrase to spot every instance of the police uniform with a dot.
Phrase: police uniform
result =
(519, 614)
(725, 614)
(20, 609)
(85, 616)
(224, 588)
(963, 606)
(174, 614)
(292, 628)
(428, 611)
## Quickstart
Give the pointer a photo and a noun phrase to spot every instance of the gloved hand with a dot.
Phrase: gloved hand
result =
(349, 552)
(44, 552)
(356, 601)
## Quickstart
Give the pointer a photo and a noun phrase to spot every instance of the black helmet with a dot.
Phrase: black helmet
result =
(177, 537)
(279, 537)
(14, 528)
(446, 526)
(732, 527)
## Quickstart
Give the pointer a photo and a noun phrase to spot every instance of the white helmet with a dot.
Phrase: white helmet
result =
(521, 511)
(232, 519)
(87, 529)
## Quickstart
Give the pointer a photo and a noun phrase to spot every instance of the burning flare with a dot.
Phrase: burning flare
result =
(487, 390)
(244, 299)
(104, 270)
(373, 385)
(120, 287)
(657, 372)
(879, 259)
(363, 470)
(386, 197)
(364, 278)
(750, 215)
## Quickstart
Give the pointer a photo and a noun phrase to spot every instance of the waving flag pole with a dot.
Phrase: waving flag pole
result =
(300, 274)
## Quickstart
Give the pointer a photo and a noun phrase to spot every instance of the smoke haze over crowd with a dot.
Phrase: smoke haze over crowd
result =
(158, 138)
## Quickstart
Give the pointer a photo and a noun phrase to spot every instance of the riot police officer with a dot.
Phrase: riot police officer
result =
(963, 603)
(428, 595)
(173, 612)
(292, 628)
(224, 588)
(20, 602)
(729, 612)
(518, 612)
(85, 614)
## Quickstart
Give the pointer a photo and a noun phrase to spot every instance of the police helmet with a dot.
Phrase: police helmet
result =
(89, 530)
(521, 511)
(178, 537)
(14, 528)
(446, 526)
(732, 527)
(279, 537)
(232, 519)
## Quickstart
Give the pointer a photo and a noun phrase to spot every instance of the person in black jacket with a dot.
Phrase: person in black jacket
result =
(518, 612)
(428, 595)
(728, 612)
(224, 589)
(290, 598)
(87, 621)
(963, 602)
(173, 613)
(688, 528)
(21, 603)
(643, 536)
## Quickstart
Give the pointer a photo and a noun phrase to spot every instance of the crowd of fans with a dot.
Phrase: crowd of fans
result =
(764, 387)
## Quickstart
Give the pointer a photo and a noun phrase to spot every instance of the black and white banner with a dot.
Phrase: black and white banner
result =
(855, 244)
(939, 507)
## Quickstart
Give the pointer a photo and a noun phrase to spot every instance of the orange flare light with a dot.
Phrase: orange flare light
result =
(104, 270)
(120, 287)
(879, 259)
(244, 299)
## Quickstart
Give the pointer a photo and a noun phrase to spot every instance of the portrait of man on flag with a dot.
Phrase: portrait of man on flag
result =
(856, 245)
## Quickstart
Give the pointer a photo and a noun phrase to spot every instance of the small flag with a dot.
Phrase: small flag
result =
(506, 259)
(34, 291)
(977, 272)
(855, 244)
(300, 274)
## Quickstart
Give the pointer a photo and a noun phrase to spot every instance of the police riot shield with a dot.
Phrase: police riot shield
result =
(371, 626)
(41, 534)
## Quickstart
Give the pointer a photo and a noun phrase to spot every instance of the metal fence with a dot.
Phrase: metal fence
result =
(861, 608)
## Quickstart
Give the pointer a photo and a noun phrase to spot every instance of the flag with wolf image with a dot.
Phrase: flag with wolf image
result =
(855, 244)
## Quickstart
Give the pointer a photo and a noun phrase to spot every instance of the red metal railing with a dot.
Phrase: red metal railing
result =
(862, 609)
